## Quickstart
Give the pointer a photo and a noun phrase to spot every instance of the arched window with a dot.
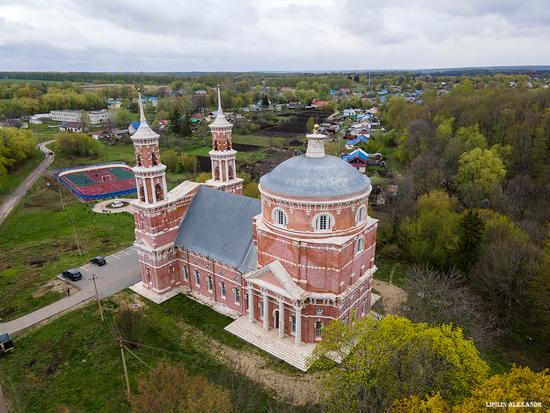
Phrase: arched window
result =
(158, 192)
(361, 215)
(138, 159)
(323, 222)
(359, 245)
(280, 217)
(154, 159)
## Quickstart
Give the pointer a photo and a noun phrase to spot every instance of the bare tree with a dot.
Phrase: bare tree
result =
(441, 297)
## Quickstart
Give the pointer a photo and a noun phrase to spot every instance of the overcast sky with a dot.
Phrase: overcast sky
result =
(286, 35)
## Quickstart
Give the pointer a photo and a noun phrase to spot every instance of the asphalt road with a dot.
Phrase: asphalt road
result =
(120, 272)
(15, 197)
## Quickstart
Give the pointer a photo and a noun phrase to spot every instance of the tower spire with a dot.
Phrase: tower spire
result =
(220, 110)
(140, 103)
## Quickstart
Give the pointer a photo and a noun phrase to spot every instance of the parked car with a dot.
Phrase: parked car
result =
(6, 345)
(72, 274)
(98, 261)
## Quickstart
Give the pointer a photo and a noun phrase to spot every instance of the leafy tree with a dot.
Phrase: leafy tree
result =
(471, 137)
(188, 163)
(16, 146)
(251, 190)
(121, 117)
(415, 404)
(172, 160)
(310, 124)
(469, 242)
(175, 121)
(433, 236)
(85, 120)
(395, 358)
(171, 389)
(520, 384)
(480, 172)
(265, 102)
(77, 144)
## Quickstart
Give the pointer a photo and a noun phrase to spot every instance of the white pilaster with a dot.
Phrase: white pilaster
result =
(226, 171)
(298, 333)
(153, 190)
(281, 318)
(213, 168)
(250, 303)
(266, 311)
(164, 186)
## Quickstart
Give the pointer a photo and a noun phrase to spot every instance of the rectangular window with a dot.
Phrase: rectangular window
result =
(210, 284)
(318, 328)
(294, 324)
(223, 291)
(261, 310)
(236, 295)
(197, 278)
(185, 273)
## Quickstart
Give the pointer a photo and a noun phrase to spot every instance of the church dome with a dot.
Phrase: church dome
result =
(306, 176)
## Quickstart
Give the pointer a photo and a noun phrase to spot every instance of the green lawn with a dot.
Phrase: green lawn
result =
(73, 363)
(43, 132)
(258, 140)
(390, 270)
(37, 242)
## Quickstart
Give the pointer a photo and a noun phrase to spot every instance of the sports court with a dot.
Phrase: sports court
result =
(99, 181)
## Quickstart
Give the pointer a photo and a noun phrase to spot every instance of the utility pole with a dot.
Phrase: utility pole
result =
(97, 298)
(125, 368)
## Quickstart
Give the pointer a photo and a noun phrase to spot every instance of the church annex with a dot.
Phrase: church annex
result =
(282, 266)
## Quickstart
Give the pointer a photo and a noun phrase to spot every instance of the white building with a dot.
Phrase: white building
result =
(96, 116)
(65, 115)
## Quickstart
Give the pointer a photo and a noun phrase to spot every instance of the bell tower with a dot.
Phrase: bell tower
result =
(222, 155)
(157, 214)
(149, 171)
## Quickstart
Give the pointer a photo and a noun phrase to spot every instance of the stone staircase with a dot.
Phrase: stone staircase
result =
(270, 342)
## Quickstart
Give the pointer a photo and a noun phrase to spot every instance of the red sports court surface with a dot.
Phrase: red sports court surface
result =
(99, 182)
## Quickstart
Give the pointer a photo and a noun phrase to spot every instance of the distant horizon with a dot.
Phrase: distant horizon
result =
(541, 67)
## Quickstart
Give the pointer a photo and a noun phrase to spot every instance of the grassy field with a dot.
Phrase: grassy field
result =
(73, 363)
(37, 242)
(43, 132)
(14, 179)
(258, 140)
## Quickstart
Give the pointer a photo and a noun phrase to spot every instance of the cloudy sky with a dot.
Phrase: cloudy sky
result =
(286, 35)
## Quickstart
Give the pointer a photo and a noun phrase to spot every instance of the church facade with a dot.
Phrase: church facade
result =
(283, 266)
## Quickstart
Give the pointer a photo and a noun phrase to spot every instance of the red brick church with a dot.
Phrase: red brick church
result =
(282, 266)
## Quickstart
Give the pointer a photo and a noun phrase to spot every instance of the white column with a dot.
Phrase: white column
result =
(138, 189)
(281, 317)
(250, 303)
(144, 181)
(298, 333)
(153, 190)
(164, 186)
(226, 171)
(213, 169)
(266, 310)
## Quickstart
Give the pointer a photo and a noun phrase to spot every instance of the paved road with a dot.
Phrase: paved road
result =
(120, 272)
(13, 199)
